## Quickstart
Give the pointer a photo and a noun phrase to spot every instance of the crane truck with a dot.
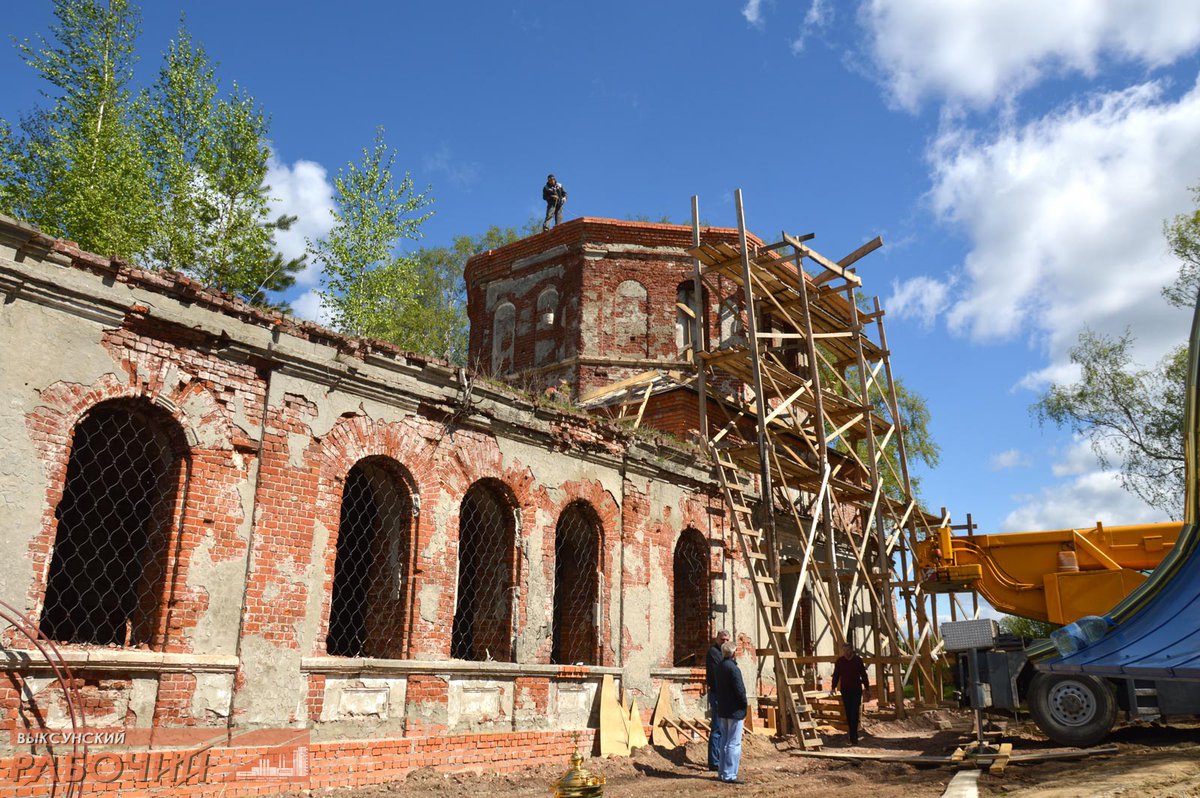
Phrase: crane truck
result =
(1136, 648)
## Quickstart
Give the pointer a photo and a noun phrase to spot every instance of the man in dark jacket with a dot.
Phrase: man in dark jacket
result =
(555, 195)
(731, 713)
(850, 674)
(711, 668)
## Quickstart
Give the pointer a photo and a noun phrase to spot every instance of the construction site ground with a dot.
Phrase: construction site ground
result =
(1150, 761)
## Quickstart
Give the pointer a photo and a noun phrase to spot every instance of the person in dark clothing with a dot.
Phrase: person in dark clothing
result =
(555, 195)
(850, 675)
(711, 667)
(731, 714)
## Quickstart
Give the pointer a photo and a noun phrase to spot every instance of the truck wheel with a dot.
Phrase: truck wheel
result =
(1072, 710)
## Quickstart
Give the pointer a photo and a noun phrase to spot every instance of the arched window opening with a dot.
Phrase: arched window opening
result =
(691, 579)
(685, 319)
(483, 611)
(546, 341)
(576, 586)
(631, 319)
(504, 333)
(107, 575)
(368, 610)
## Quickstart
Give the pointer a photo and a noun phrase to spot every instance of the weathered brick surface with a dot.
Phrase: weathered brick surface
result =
(616, 285)
(270, 415)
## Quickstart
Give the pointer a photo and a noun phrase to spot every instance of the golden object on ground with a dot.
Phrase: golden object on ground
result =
(577, 782)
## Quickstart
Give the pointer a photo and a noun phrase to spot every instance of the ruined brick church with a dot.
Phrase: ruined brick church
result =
(225, 518)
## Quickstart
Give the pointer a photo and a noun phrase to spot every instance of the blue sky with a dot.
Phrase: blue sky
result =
(1018, 157)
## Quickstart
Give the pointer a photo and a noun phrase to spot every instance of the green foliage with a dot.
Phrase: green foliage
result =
(1131, 416)
(432, 319)
(208, 159)
(1026, 627)
(364, 284)
(77, 169)
(919, 444)
(1183, 236)
(173, 177)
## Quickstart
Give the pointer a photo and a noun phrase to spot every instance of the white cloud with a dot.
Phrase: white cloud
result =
(302, 190)
(1011, 458)
(816, 19)
(919, 298)
(1081, 502)
(308, 306)
(1078, 459)
(752, 11)
(462, 174)
(981, 51)
(1065, 220)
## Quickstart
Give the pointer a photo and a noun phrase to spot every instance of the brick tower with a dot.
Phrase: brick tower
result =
(593, 302)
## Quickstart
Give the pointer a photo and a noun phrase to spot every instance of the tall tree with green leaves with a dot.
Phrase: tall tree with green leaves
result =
(77, 168)
(1132, 415)
(209, 157)
(363, 280)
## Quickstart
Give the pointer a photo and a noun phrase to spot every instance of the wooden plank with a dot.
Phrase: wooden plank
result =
(1044, 756)
(866, 249)
(830, 266)
(619, 385)
(1001, 761)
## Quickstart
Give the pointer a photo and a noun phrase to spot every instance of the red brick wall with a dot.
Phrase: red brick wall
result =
(596, 317)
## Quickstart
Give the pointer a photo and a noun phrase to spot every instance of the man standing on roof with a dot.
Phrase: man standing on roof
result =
(555, 195)
(850, 674)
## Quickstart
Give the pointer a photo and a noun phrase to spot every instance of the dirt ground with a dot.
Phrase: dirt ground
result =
(1151, 761)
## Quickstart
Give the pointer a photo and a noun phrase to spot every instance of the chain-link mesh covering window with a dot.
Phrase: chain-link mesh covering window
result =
(107, 573)
(576, 585)
(483, 612)
(691, 599)
(368, 613)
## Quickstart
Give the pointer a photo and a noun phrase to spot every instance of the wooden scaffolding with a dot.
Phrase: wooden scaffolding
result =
(815, 427)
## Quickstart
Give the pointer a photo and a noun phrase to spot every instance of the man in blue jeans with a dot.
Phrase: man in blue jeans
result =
(731, 712)
(711, 667)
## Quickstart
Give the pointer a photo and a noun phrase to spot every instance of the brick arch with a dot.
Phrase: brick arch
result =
(408, 451)
(205, 428)
(607, 512)
(691, 592)
(488, 571)
(578, 558)
(467, 458)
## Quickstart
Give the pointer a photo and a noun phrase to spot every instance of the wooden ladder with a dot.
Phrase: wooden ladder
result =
(789, 682)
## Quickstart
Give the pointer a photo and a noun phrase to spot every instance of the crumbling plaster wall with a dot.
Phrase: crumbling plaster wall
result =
(274, 415)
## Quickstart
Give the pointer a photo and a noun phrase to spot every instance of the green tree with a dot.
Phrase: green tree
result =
(1183, 236)
(432, 318)
(209, 157)
(363, 279)
(1131, 416)
(77, 169)
(1026, 627)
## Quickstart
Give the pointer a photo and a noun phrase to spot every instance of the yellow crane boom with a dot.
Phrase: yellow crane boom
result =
(1057, 576)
